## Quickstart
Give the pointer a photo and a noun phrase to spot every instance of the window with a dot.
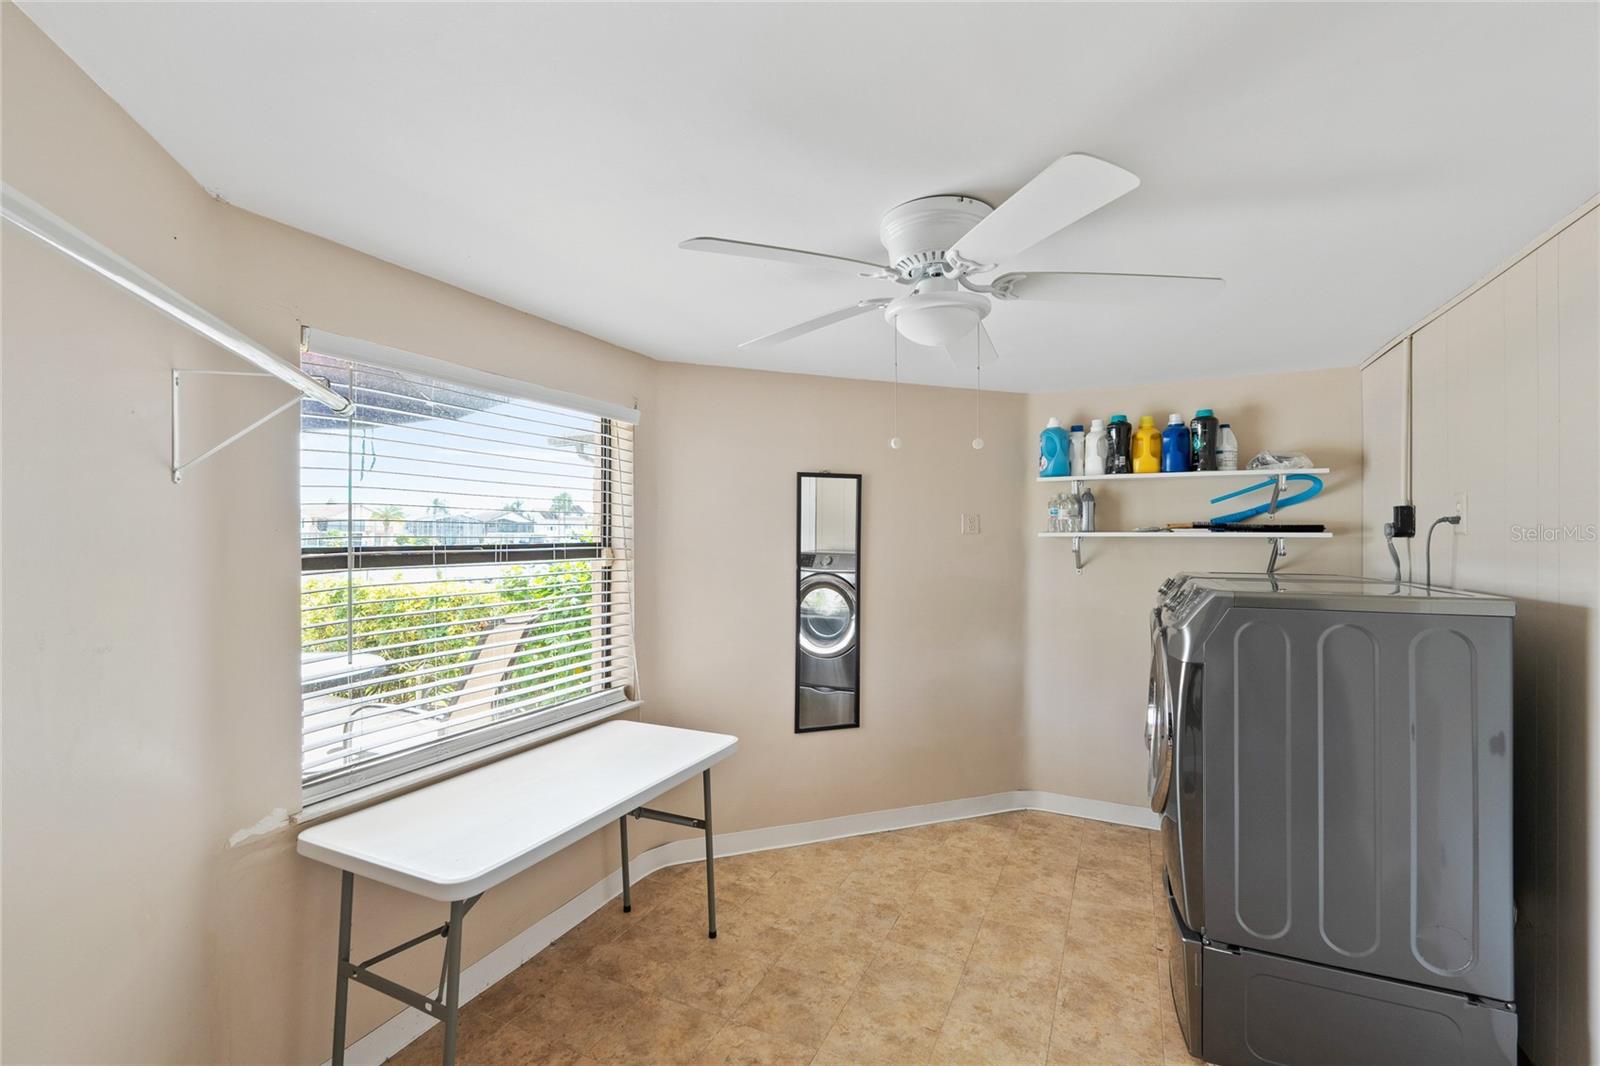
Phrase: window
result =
(465, 566)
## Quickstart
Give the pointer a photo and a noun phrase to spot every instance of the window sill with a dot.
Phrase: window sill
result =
(346, 802)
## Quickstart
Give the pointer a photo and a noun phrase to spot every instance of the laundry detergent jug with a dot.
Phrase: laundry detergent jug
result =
(1147, 447)
(1176, 446)
(1094, 448)
(1055, 450)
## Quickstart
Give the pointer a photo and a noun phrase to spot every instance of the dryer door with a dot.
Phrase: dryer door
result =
(1158, 717)
(827, 615)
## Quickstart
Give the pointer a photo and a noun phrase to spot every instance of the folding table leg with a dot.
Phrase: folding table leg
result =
(341, 995)
(711, 876)
(452, 962)
(627, 892)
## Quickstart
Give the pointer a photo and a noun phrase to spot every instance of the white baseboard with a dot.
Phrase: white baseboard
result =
(393, 1035)
(1141, 817)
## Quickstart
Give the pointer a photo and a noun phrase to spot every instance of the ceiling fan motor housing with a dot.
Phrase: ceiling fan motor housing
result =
(919, 233)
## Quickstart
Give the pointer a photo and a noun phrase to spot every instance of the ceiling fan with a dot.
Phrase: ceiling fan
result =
(937, 245)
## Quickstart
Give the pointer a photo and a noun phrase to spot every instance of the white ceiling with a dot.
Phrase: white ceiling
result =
(1345, 167)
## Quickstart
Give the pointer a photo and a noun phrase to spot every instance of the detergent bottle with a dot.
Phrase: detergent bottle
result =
(1094, 448)
(1076, 437)
(1176, 446)
(1054, 450)
(1227, 448)
(1147, 447)
(1203, 429)
(1119, 445)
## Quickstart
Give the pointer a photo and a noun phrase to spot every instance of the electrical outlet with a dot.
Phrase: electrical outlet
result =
(971, 525)
(1461, 510)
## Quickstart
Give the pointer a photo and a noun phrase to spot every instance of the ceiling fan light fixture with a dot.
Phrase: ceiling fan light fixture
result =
(938, 318)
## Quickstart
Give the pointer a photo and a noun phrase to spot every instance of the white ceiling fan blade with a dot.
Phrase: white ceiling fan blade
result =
(858, 267)
(816, 323)
(1065, 191)
(961, 349)
(1074, 287)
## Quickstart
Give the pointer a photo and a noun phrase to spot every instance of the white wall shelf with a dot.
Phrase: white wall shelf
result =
(1279, 475)
(1187, 475)
(1278, 547)
(1189, 534)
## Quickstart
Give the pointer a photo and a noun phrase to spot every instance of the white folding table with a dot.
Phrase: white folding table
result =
(454, 840)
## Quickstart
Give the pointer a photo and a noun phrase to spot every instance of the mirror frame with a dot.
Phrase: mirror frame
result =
(799, 490)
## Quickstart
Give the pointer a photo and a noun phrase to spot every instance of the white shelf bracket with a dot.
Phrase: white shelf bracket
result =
(179, 465)
(1077, 554)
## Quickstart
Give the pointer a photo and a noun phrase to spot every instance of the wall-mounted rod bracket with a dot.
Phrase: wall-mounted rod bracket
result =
(179, 465)
(39, 222)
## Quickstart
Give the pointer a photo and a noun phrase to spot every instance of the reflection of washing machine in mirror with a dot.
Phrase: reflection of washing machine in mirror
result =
(827, 609)
(826, 637)
(827, 615)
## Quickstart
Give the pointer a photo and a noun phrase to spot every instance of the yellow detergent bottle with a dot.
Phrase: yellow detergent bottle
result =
(1147, 447)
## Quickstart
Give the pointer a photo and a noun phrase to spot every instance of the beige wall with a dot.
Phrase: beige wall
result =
(1088, 633)
(150, 636)
(941, 645)
(1505, 398)
(149, 687)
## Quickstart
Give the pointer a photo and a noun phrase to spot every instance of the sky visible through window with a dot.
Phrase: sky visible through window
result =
(439, 453)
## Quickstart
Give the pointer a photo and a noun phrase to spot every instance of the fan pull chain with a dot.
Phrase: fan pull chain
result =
(977, 391)
(894, 394)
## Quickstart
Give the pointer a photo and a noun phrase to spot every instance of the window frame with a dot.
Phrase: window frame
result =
(614, 514)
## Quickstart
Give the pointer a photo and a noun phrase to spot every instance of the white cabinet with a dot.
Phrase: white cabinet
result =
(1504, 408)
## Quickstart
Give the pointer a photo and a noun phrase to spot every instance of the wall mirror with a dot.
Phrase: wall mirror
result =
(827, 655)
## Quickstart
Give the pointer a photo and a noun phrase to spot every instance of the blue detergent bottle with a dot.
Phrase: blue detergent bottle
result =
(1176, 446)
(1054, 450)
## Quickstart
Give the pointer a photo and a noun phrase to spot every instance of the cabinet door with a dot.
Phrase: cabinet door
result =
(1386, 455)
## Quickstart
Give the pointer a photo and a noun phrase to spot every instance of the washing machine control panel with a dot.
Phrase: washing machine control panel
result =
(1178, 595)
(1182, 602)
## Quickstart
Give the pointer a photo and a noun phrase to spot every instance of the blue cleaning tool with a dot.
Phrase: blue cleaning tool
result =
(1277, 503)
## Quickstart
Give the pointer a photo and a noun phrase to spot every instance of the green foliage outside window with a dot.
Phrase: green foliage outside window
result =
(414, 614)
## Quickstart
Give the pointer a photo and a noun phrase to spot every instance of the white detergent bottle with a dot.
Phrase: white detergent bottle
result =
(1094, 448)
(1227, 448)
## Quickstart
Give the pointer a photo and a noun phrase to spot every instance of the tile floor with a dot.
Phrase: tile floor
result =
(1018, 938)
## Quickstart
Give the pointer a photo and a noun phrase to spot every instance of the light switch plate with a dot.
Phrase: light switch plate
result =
(971, 524)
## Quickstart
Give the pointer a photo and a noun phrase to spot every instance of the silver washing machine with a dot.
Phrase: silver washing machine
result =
(827, 638)
(1331, 758)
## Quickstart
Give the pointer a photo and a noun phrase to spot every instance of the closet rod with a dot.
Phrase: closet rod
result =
(74, 243)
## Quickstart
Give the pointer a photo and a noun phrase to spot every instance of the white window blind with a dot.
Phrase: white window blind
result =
(466, 569)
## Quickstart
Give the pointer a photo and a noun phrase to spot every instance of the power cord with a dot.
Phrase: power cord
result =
(1452, 519)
